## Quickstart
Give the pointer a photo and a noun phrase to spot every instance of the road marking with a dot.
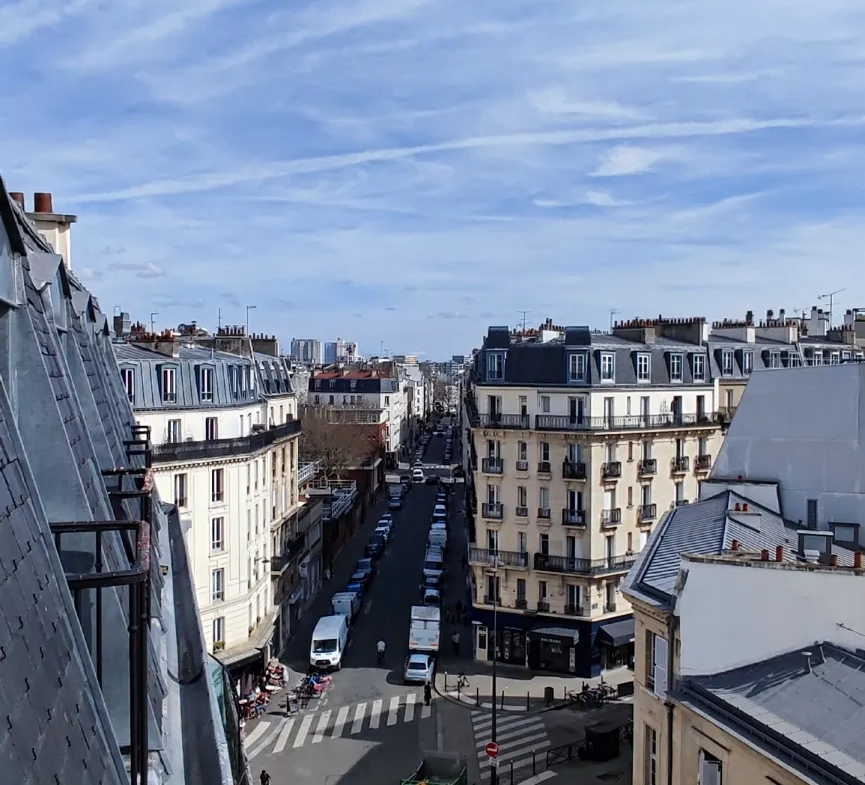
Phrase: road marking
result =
(321, 727)
(303, 731)
(393, 711)
(283, 737)
(523, 722)
(368, 608)
(257, 732)
(375, 717)
(341, 717)
(357, 725)
(426, 711)
(409, 707)
(539, 778)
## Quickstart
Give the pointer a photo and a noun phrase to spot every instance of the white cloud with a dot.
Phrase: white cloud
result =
(624, 160)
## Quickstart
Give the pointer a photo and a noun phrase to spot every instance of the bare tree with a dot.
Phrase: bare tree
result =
(337, 446)
(440, 394)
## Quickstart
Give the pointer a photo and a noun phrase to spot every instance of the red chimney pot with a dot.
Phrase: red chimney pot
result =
(17, 196)
(833, 560)
(857, 560)
(764, 555)
(42, 203)
(744, 508)
(734, 546)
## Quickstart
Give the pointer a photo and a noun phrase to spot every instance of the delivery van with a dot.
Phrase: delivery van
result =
(346, 603)
(329, 640)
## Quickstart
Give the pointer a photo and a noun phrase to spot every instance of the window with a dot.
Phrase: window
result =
(522, 542)
(644, 367)
(544, 544)
(675, 367)
(217, 585)
(544, 497)
(608, 367)
(174, 432)
(651, 751)
(522, 451)
(180, 498)
(710, 769)
(812, 513)
(522, 496)
(521, 590)
(834, 358)
(495, 366)
(217, 487)
(699, 371)
(727, 362)
(545, 404)
(211, 429)
(128, 377)
(219, 629)
(387, 400)
(217, 534)
(255, 475)
(545, 452)
(774, 359)
(206, 384)
(656, 678)
(577, 367)
(747, 362)
(169, 385)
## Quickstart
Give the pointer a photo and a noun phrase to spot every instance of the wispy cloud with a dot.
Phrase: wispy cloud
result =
(397, 169)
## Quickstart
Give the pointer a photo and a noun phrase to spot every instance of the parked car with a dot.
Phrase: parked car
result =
(432, 597)
(419, 669)
(362, 578)
(366, 564)
(417, 475)
(383, 530)
(386, 518)
(375, 547)
(394, 503)
(432, 479)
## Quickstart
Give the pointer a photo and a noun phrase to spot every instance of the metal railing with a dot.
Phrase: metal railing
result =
(545, 467)
(337, 497)
(492, 466)
(519, 559)
(573, 470)
(521, 512)
(292, 549)
(522, 466)
(648, 467)
(568, 564)
(679, 465)
(219, 448)
(493, 511)
(611, 517)
(575, 610)
(306, 472)
(647, 512)
(611, 470)
(544, 513)
(703, 463)
(573, 517)
(520, 422)
(554, 422)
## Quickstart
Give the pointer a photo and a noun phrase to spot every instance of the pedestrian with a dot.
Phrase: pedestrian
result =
(427, 694)
(264, 779)
(455, 639)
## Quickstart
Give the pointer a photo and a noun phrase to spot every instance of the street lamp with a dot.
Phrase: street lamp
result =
(248, 309)
(494, 570)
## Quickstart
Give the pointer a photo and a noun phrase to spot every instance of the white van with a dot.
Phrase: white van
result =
(346, 603)
(438, 539)
(433, 563)
(329, 640)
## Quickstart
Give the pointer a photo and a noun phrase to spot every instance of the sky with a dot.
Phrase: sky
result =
(404, 173)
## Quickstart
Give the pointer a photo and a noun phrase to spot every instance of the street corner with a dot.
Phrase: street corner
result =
(441, 686)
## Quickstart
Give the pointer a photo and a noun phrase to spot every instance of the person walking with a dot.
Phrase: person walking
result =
(455, 639)
(264, 778)
(427, 694)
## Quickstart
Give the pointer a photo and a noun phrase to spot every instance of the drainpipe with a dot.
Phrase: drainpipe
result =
(672, 626)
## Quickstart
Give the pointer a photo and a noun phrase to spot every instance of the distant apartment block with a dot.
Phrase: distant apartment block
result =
(309, 351)
(340, 351)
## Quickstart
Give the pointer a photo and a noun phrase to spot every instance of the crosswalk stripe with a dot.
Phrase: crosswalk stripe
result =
(341, 717)
(357, 725)
(393, 710)
(515, 734)
(284, 733)
(525, 724)
(257, 732)
(318, 737)
(426, 711)
(304, 731)
(409, 707)
(375, 717)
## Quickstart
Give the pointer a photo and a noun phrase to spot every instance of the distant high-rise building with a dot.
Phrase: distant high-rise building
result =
(307, 350)
(340, 351)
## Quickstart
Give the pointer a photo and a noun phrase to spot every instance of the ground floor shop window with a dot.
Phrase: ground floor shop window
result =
(617, 656)
(511, 647)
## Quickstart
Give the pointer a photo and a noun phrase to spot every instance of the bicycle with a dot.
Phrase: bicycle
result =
(462, 681)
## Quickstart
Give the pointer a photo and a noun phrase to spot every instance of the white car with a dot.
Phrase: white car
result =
(383, 530)
(417, 475)
(440, 511)
(386, 518)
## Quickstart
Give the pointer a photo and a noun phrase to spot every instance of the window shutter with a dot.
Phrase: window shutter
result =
(660, 666)
(710, 771)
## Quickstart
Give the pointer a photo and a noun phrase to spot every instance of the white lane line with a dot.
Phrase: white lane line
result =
(409, 707)
(357, 725)
(303, 731)
(318, 737)
(341, 717)
(283, 737)
(368, 608)
(516, 734)
(393, 711)
(525, 723)
(257, 732)
(426, 711)
(375, 716)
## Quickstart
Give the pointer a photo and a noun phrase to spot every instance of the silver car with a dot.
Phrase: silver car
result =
(419, 669)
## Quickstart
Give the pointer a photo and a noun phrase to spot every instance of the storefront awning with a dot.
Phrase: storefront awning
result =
(617, 633)
(250, 649)
(551, 631)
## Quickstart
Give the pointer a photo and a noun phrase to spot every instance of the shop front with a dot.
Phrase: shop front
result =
(506, 639)
(246, 662)
(553, 648)
(615, 643)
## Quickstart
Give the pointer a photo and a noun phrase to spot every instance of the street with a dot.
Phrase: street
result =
(368, 727)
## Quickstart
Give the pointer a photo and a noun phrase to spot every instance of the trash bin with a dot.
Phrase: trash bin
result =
(549, 694)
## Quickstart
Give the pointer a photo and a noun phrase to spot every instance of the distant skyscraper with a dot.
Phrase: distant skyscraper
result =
(340, 351)
(307, 350)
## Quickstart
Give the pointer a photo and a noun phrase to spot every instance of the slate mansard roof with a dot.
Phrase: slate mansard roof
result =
(63, 420)
(535, 363)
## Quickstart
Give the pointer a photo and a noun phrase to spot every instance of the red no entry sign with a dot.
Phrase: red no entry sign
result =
(492, 749)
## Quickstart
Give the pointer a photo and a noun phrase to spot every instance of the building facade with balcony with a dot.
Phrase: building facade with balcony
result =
(580, 441)
(226, 452)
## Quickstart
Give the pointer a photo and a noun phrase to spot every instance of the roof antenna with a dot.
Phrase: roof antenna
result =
(524, 314)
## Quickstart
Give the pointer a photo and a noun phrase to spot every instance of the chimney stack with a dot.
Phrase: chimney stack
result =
(833, 560)
(764, 555)
(734, 546)
(779, 553)
(857, 560)
(17, 196)
(43, 203)
(749, 317)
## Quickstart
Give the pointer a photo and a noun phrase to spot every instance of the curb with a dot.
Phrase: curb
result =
(463, 701)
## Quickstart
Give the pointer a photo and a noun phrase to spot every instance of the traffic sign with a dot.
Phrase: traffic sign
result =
(492, 749)
(494, 763)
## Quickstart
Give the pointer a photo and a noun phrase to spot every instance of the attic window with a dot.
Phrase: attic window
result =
(727, 362)
(774, 359)
(577, 367)
(608, 367)
(206, 384)
(747, 363)
(644, 367)
(495, 366)
(676, 367)
(814, 541)
(128, 377)
(845, 532)
(169, 385)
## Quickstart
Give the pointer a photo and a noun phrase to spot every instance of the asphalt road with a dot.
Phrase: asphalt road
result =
(369, 728)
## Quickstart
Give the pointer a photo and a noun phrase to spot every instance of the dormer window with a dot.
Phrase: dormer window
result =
(845, 533)
(352, 384)
(818, 357)
(644, 367)
(845, 356)
(251, 380)
(169, 385)
(318, 384)
(205, 384)
(699, 367)
(834, 358)
(128, 377)
(495, 366)
(795, 360)
(774, 359)
(232, 381)
(676, 362)
(577, 367)
(727, 362)
(608, 367)
(747, 363)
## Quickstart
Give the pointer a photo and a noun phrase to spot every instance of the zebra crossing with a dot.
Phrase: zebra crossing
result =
(518, 736)
(274, 736)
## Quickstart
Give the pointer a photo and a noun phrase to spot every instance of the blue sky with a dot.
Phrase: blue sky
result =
(411, 171)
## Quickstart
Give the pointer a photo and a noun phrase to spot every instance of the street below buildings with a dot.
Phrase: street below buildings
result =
(369, 727)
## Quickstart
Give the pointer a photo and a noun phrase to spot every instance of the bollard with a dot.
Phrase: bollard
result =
(527, 700)
(503, 700)
(478, 695)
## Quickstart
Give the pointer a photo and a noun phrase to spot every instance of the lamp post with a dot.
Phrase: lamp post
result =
(248, 309)
(494, 571)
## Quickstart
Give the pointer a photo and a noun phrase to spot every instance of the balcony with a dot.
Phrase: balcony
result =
(521, 512)
(575, 610)
(647, 512)
(306, 472)
(519, 422)
(682, 502)
(291, 550)
(680, 465)
(572, 470)
(648, 467)
(337, 497)
(611, 517)
(521, 603)
(573, 566)
(574, 518)
(492, 511)
(522, 466)
(611, 470)
(208, 449)
(544, 513)
(492, 466)
(545, 467)
(514, 559)
(653, 422)
(543, 607)
(490, 600)
(702, 463)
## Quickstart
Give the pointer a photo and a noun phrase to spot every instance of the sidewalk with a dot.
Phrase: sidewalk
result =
(517, 689)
